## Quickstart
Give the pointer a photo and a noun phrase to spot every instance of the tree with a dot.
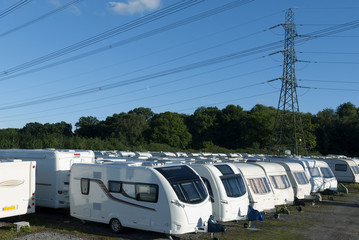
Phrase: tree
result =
(87, 127)
(169, 128)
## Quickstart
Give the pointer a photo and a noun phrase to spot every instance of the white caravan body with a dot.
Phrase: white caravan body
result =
(315, 177)
(278, 178)
(52, 172)
(261, 196)
(17, 188)
(227, 189)
(330, 181)
(345, 170)
(299, 179)
(169, 199)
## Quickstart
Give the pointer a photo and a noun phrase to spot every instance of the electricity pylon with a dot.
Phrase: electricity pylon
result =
(288, 130)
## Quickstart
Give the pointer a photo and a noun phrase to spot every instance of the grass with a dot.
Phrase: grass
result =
(292, 226)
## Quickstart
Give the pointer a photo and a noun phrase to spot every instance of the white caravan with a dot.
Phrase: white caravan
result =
(309, 165)
(17, 188)
(299, 179)
(330, 181)
(227, 189)
(261, 196)
(345, 170)
(52, 172)
(278, 178)
(169, 199)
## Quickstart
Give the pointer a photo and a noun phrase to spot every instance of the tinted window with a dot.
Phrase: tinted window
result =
(341, 167)
(224, 169)
(280, 181)
(147, 192)
(114, 186)
(185, 182)
(85, 186)
(301, 178)
(234, 185)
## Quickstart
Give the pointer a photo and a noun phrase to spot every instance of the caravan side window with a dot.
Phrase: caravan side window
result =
(128, 189)
(146, 192)
(114, 186)
(341, 167)
(85, 186)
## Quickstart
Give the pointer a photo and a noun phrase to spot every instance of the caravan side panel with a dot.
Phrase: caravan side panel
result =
(17, 188)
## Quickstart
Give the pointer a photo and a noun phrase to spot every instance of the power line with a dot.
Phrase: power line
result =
(41, 17)
(311, 80)
(13, 8)
(124, 28)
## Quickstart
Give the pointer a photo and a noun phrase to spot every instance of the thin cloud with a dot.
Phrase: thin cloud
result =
(134, 6)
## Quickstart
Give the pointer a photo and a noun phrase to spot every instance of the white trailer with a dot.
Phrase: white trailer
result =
(313, 172)
(227, 189)
(278, 178)
(52, 172)
(169, 199)
(261, 196)
(345, 170)
(330, 181)
(17, 188)
(299, 180)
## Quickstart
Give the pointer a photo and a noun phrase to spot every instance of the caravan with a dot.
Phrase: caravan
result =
(299, 179)
(261, 196)
(277, 176)
(17, 188)
(345, 170)
(169, 199)
(227, 189)
(52, 172)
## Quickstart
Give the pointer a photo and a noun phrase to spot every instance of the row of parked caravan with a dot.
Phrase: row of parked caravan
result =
(172, 193)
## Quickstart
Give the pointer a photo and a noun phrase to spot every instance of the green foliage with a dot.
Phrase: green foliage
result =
(207, 129)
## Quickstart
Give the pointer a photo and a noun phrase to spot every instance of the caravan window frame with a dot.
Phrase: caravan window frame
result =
(259, 185)
(134, 191)
(85, 186)
(112, 186)
(280, 181)
(327, 173)
(355, 169)
(234, 185)
(301, 178)
(341, 167)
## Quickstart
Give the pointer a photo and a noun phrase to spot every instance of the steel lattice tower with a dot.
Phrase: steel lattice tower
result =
(288, 130)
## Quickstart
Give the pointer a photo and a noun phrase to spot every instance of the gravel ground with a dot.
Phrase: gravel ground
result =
(48, 236)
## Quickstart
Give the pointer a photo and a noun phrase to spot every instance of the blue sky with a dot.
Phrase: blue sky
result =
(167, 64)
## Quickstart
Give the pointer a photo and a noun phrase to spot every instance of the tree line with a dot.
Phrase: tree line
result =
(231, 129)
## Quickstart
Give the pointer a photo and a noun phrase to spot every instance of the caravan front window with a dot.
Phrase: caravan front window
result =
(314, 172)
(185, 182)
(234, 185)
(301, 178)
(341, 167)
(355, 169)
(280, 181)
(327, 173)
(259, 185)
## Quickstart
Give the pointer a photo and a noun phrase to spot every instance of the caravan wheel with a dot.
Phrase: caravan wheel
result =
(115, 225)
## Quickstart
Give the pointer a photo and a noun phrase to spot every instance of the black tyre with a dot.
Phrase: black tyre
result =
(245, 225)
(115, 225)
